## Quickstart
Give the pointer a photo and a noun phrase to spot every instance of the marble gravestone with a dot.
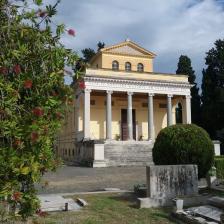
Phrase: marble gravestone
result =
(170, 181)
(167, 182)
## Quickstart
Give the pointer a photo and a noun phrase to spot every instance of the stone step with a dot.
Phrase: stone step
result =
(216, 201)
(124, 154)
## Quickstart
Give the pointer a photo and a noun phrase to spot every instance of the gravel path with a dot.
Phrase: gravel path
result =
(81, 179)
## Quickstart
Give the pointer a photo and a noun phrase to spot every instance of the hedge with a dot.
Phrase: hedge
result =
(219, 165)
(184, 144)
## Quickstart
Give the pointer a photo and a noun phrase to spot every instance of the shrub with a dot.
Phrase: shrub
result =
(219, 165)
(184, 144)
(33, 98)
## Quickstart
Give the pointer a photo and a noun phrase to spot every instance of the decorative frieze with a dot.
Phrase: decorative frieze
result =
(137, 86)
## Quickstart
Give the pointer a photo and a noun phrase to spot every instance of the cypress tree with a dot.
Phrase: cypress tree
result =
(184, 67)
(213, 89)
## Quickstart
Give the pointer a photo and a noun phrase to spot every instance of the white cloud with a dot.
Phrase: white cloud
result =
(167, 27)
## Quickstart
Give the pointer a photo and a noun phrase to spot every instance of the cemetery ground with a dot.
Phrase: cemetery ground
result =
(69, 179)
(110, 208)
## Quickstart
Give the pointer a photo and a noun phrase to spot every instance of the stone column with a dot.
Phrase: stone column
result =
(169, 110)
(129, 118)
(151, 131)
(109, 116)
(76, 120)
(86, 115)
(188, 109)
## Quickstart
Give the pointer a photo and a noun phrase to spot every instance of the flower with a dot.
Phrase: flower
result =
(16, 196)
(34, 136)
(17, 142)
(38, 111)
(71, 32)
(17, 69)
(28, 84)
(82, 85)
(42, 14)
(3, 70)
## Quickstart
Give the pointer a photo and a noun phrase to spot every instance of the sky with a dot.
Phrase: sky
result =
(169, 28)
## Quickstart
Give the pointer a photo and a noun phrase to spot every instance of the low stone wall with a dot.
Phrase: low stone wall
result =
(90, 153)
(101, 154)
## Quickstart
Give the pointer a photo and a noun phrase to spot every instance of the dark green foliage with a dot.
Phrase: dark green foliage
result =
(219, 165)
(100, 45)
(88, 53)
(184, 67)
(184, 144)
(213, 89)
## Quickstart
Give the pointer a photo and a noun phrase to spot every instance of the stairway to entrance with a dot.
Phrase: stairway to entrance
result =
(128, 153)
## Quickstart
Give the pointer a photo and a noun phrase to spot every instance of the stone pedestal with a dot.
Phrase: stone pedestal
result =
(98, 156)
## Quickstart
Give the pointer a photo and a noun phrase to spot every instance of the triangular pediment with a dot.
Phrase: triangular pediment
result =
(128, 48)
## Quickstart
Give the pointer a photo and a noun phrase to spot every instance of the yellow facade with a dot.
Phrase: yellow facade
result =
(101, 67)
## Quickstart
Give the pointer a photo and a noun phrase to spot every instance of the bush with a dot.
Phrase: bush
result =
(184, 144)
(33, 98)
(219, 165)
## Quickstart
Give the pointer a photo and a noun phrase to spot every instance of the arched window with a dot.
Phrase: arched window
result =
(127, 66)
(115, 65)
(179, 117)
(140, 67)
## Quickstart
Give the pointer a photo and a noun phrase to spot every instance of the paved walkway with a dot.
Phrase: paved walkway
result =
(81, 179)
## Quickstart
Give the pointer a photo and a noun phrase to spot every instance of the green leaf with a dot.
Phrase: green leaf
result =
(38, 2)
(25, 170)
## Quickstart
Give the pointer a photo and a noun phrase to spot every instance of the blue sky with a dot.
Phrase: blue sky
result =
(168, 28)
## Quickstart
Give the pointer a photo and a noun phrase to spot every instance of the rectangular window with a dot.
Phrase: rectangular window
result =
(162, 105)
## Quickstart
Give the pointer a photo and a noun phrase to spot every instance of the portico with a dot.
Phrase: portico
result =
(108, 89)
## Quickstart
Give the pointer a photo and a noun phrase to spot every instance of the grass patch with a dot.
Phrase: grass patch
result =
(109, 209)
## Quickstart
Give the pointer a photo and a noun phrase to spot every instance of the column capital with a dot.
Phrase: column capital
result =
(130, 93)
(170, 95)
(87, 90)
(188, 96)
(109, 91)
(151, 94)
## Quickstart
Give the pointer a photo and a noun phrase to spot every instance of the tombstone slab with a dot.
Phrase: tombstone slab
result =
(170, 181)
(207, 211)
(167, 182)
(50, 203)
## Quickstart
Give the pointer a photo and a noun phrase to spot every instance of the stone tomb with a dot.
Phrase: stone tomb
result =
(54, 202)
(166, 182)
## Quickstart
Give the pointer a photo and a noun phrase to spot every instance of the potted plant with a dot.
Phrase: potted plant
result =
(117, 137)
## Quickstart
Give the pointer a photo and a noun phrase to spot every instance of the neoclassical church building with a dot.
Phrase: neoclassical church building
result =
(123, 107)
